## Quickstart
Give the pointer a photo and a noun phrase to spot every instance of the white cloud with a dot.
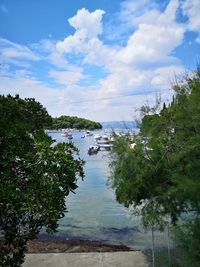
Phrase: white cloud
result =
(142, 66)
(67, 77)
(47, 48)
(87, 25)
(85, 39)
(91, 102)
(133, 13)
(19, 83)
(58, 60)
(154, 39)
(151, 43)
(123, 81)
(23, 73)
(191, 8)
(13, 51)
(164, 76)
(97, 53)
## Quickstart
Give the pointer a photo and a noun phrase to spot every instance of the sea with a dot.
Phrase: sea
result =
(93, 212)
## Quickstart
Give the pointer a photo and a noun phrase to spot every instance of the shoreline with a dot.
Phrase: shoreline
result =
(73, 246)
(54, 247)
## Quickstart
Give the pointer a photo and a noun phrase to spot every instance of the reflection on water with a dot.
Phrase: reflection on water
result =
(93, 212)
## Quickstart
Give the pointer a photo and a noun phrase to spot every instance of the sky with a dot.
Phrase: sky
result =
(100, 60)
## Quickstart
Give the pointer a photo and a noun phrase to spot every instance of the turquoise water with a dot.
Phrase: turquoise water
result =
(93, 212)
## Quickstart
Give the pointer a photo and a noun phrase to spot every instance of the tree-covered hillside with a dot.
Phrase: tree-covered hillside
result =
(75, 122)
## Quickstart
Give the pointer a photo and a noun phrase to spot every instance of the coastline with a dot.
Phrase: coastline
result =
(73, 246)
(81, 248)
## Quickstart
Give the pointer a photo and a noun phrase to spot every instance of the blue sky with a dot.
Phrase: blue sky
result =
(101, 59)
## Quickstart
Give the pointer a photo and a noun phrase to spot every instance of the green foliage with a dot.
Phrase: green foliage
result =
(75, 122)
(187, 242)
(161, 174)
(35, 176)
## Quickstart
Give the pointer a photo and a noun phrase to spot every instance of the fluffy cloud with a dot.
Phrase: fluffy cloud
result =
(87, 25)
(67, 78)
(164, 76)
(135, 12)
(130, 73)
(191, 10)
(123, 81)
(152, 41)
(156, 36)
(47, 47)
(26, 86)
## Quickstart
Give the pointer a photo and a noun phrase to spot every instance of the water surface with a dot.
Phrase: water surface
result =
(93, 212)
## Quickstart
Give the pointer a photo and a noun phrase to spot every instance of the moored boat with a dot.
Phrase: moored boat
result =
(97, 137)
(65, 134)
(88, 133)
(93, 149)
(70, 136)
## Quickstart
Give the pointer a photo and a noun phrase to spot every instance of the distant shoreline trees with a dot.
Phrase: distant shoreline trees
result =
(74, 122)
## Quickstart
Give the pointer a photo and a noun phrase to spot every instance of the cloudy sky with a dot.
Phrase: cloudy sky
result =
(96, 59)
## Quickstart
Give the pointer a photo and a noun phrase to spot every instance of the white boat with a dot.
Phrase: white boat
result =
(65, 134)
(88, 133)
(93, 149)
(97, 137)
(104, 140)
(105, 137)
(105, 146)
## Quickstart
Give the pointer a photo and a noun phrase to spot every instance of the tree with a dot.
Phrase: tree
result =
(161, 175)
(75, 122)
(35, 176)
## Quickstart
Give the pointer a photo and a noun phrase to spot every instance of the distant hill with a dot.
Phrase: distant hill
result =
(64, 122)
(119, 124)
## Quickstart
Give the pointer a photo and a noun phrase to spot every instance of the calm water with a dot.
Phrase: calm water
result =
(93, 212)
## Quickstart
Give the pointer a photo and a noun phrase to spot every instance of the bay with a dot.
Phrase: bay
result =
(93, 213)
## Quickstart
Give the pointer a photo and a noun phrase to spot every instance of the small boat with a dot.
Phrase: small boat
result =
(88, 133)
(70, 136)
(105, 146)
(105, 137)
(103, 141)
(65, 134)
(97, 137)
(93, 150)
